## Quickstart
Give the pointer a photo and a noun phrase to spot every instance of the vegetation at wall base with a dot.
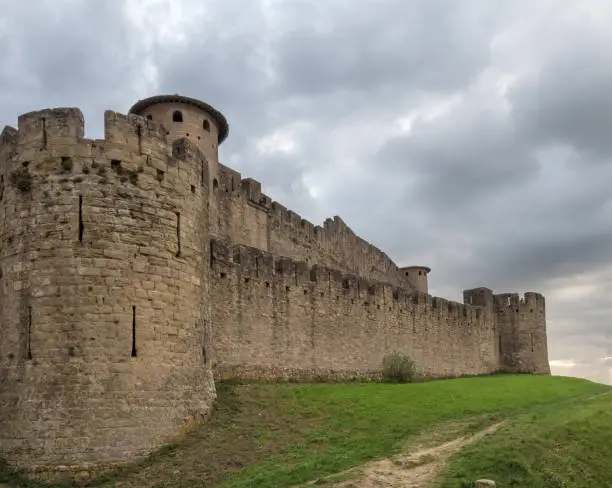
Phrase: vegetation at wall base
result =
(284, 434)
(398, 368)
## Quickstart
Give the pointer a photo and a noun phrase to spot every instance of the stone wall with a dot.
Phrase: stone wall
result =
(522, 330)
(247, 216)
(103, 329)
(275, 317)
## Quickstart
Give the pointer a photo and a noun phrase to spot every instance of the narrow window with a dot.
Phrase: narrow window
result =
(81, 226)
(206, 125)
(499, 345)
(201, 175)
(29, 345)
(215, 184)
(177, 116)
(44, 133)
(531, 339)
(133, 331)
(178, 233)
(139, 134)
(2, 187)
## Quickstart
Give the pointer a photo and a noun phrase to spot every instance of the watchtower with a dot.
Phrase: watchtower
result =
(416, 276)
(104, 309)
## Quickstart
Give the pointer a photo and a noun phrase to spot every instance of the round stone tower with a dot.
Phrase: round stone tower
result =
(104, 279)
(198, 122)
(188, 117)
(416, 276)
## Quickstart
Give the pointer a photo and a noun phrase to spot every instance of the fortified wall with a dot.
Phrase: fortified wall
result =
(135, 267)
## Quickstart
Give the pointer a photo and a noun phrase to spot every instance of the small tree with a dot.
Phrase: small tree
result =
(398, 368)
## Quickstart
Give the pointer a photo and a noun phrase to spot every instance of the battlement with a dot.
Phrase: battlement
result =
(529, 301)
(8, 136)
(289, 229)
(61, 129)
(49, 129)
(257, 265)
(52, 142)
(8, 145)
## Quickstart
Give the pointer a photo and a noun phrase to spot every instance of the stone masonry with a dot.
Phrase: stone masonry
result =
(136, 267)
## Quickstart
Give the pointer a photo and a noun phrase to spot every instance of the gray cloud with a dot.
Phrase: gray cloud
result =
(66, 53)
(470, 137)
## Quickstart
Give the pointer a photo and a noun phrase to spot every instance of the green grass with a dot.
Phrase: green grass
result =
(278, 435)
(551, 447)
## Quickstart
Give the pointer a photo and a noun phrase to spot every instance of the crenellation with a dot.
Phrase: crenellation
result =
(266, 202)
(230, 180)
(8, 144)
(251, 189)
(507, 300)
(480, 297)
(49, 129)
(141, 256)
(120, 131)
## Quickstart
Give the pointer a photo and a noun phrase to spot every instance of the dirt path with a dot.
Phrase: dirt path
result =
(416, 470)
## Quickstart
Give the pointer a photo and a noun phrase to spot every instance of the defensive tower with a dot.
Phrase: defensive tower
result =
(416, 276)
(201, 124)
(104, 315)
(523, 340)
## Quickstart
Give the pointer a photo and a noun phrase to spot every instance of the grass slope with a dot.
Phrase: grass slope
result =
(279, 435)
(551, 447)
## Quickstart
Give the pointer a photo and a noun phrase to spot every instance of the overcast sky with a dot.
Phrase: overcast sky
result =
(472, 136)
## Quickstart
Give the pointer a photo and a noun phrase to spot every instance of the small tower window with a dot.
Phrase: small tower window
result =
(149, 117)
(206, 125)
(177, 116)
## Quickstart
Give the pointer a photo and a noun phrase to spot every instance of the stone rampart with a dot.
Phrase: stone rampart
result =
(248, 216)
(275, 317)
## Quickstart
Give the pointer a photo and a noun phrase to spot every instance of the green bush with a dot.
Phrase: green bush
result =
(398, 368)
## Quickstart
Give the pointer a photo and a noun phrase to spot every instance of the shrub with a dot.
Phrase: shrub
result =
(398, 368)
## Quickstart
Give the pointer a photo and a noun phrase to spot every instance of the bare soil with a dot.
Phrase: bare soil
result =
(417, 469)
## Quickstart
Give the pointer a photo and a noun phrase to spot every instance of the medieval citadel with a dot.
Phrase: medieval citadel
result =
(136, 268)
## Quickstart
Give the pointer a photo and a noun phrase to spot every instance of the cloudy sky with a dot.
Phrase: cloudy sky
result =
(473, 136)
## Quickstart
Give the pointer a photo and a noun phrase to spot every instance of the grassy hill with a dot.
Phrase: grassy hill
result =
(281, 435)
(555, 446)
